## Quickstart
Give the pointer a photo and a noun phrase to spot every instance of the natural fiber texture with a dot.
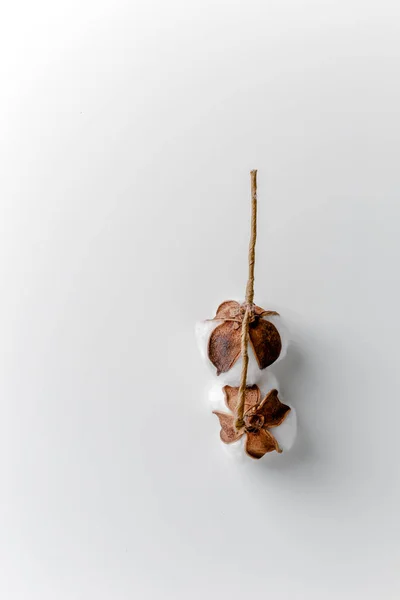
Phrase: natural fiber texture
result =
(249, 301)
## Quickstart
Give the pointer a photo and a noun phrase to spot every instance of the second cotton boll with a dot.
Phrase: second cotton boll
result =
(284, 433)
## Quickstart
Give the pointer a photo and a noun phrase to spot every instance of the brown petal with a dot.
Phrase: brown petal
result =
(266, 342)
(252, 397)
(224, 346)
(258, 444)
(268, 313)
(260, 312)
(228, 310)
(229, 433)
(273, 410)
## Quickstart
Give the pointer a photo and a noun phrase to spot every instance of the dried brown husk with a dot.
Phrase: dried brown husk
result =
(224, 343)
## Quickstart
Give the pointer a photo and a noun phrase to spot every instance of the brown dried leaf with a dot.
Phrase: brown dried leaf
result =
(267, 313)
(224, 346)
(228, 310)
(273, 410)
(265, 341)
(229, 433)
(258, 444)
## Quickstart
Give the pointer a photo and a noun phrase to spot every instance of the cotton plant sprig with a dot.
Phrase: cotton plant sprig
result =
(241, 324)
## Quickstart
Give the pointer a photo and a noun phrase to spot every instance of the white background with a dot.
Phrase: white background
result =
(128, 130)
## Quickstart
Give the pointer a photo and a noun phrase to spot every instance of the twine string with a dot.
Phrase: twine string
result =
(249, 303)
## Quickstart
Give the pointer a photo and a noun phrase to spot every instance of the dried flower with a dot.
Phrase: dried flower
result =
(258, 416)
(224, 342)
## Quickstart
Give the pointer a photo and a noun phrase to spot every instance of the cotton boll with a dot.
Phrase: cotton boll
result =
(232, 377)
(285, 433)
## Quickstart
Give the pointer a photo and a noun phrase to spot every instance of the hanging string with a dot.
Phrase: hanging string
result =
(249, 303)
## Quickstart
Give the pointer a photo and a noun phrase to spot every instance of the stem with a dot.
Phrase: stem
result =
(253, 237)
(249, 303)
